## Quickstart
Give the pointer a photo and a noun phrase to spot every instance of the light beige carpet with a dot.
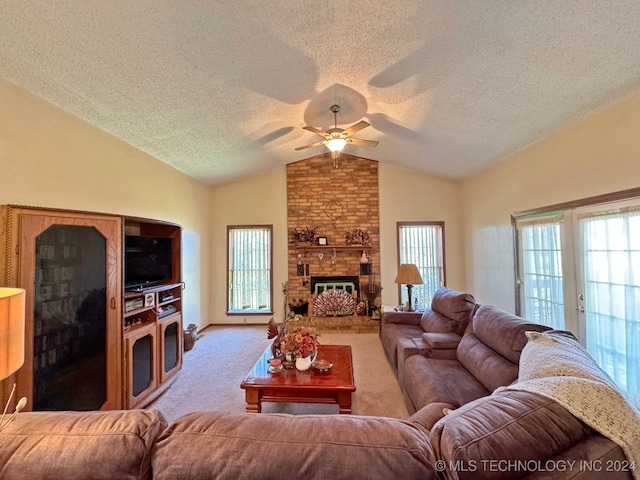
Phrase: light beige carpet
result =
(222, 356)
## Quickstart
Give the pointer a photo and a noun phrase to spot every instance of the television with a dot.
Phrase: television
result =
(148, 261)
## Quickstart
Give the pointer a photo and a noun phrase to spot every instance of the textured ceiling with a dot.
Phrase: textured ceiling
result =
(222, 89)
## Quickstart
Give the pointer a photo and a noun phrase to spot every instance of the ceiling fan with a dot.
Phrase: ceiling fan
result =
(336, 138)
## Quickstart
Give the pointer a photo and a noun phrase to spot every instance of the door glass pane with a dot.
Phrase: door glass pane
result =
(70, 319)
(541, 273)
(611, 246)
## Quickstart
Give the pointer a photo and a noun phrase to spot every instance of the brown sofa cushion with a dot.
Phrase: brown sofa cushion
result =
(507, 426)
(428, 380)
(276, 446)
(488, 367)
(450, 312)
(502, 331)
(80, 445)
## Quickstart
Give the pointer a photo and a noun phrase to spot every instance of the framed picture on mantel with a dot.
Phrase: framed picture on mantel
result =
(322, 241)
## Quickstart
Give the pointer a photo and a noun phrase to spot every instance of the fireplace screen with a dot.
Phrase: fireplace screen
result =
(334, 303)
(334, 295)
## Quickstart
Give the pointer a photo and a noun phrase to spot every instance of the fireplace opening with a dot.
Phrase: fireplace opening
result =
(347, 283)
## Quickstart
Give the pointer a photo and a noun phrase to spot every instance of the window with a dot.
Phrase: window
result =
(422, 243)
(250, 277)
(578, 268)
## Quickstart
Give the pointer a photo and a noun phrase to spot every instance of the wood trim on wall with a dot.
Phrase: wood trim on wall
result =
(583, 202)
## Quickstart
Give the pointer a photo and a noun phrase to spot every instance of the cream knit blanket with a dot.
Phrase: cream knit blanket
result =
(554, 364)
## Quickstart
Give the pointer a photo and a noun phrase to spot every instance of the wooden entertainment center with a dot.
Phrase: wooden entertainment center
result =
(92, 342)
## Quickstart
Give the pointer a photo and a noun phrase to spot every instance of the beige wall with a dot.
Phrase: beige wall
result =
(598, 155)
(408, 195)
(49, 158)
(258, 200)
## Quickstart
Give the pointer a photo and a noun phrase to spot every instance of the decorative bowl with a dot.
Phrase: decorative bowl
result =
(322, 365)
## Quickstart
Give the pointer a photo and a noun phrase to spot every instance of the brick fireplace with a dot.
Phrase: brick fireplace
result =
(335, 202)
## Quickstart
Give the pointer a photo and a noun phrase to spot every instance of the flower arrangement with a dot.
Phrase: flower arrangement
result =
(302, 341)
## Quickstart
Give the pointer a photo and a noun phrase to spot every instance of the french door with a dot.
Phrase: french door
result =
(579, 270)
(609, 300)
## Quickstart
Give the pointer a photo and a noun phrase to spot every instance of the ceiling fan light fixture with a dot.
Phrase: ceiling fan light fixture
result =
(335, 139)
(336, 144)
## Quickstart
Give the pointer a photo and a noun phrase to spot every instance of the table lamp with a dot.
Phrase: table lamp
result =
(408, 275)
(11, 342)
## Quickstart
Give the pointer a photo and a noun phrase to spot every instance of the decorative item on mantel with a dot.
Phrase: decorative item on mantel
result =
(303, 235)
(357, 236)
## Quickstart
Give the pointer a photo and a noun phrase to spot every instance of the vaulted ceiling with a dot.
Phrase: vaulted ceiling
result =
(221, 89)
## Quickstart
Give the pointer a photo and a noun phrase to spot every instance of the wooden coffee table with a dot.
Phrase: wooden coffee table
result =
(310, 386)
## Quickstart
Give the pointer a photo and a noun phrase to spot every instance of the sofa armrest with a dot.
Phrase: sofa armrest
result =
(428, 415)
(442, 345)
(407, 318)
(408, 347)
(510, 426)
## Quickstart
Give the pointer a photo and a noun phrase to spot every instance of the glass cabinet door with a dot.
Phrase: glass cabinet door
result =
(70, 318)
(143, 357)
(142, 368)
(171, 345)
(70, 265)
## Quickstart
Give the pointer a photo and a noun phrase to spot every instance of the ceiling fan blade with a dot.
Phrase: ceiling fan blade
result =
(315, 130)
(355, 128)
(317, 144)
(363, 143)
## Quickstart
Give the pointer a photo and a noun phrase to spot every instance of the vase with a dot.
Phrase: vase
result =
(304, 363)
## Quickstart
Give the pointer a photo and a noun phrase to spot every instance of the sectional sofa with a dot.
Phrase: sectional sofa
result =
(461, 428)
(452, 358)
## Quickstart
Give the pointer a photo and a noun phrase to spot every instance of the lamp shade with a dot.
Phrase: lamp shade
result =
(11, 330)
(408, 274)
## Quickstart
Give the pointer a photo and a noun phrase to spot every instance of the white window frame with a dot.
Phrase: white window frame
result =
(255, 265)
